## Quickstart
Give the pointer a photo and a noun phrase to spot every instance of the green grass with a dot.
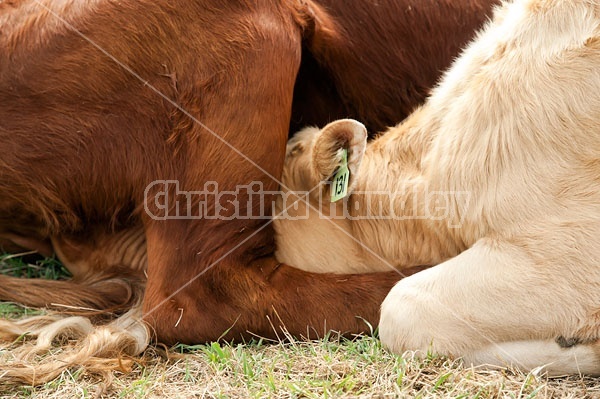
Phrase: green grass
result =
(329, 368)
(25, 266)
(21, 266)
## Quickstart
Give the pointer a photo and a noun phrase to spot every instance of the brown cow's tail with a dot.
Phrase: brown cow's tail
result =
(33, 358)
(98, 349)
(105, 295)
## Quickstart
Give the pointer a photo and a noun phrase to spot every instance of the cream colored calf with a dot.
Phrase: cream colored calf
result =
(496, 179)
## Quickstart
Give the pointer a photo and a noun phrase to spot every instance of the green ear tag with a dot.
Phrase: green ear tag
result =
(339, 186)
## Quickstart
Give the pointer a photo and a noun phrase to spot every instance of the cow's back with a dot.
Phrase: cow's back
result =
(95, 100)
(376, 60)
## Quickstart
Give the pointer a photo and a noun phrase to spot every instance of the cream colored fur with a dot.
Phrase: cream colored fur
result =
(510, 143)
(40, 348)
(98, 349)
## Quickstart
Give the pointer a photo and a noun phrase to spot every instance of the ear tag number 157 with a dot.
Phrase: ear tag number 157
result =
(339, 186)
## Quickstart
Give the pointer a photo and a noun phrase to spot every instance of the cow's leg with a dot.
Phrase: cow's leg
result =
(233, 296)
(233, 300)
(214, 277)
(16, 243)
(493, 293)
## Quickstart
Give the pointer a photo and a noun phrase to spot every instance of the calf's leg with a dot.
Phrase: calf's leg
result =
(494, 304)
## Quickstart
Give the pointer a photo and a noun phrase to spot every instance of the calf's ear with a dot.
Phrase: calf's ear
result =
(328, 149)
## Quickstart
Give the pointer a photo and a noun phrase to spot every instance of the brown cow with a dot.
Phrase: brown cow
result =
(101, 99)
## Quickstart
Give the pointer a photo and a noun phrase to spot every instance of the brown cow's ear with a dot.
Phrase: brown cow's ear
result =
(338, 135)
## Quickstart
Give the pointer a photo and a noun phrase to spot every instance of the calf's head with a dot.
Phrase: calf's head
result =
(307, 235)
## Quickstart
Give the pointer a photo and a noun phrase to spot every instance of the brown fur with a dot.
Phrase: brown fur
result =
(377, 59)
(82, 138)
(65, 173)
